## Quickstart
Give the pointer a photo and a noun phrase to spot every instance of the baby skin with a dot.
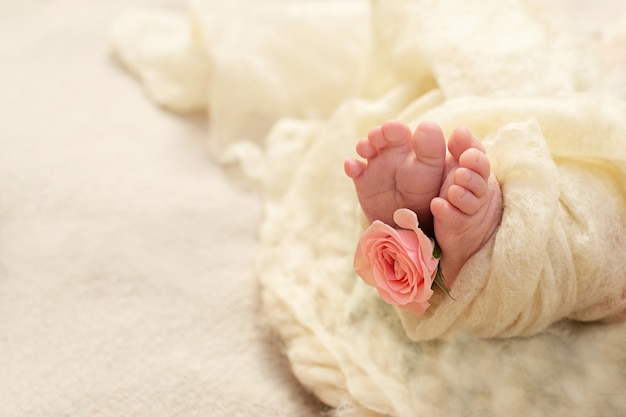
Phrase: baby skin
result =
(456, 197)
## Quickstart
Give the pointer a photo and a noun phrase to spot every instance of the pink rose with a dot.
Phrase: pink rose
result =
(398, 263)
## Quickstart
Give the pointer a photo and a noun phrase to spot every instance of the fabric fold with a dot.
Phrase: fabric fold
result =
(538, 270)
(555, 138)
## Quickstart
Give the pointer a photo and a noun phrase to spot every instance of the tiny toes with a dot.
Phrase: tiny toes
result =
(391, 133)
(354, 168)
(396, 132)
(447, 214)
(464, 200)
(461, 140)
(476, 160)
(376, 137)
(366, 149)
(429, 144)
(471, 181)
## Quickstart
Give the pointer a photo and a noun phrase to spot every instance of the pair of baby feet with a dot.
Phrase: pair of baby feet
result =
(456, 197)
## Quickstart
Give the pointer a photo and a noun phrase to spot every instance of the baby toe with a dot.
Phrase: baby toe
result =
(395, 132)
(464, 200)
(460, 140)
(471, 181)
(354, 168)
(376, 137)
(476, 160)
(429, 143)
(365, 148)
(449, 218)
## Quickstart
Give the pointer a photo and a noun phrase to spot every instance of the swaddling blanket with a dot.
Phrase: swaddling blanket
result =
(557, 146)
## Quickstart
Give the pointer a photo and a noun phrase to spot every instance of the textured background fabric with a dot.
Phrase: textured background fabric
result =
(423, 61)
(125, 254)
(126, 284)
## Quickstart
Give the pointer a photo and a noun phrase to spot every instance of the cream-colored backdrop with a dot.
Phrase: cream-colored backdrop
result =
(125, 253)
(126, 284)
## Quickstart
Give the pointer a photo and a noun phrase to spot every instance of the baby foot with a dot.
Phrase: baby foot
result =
(403, 170)
(469, 208)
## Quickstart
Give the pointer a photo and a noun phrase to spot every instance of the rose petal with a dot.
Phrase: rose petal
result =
(385, 296)
(398, 263)
(406, 219)
(423, 293)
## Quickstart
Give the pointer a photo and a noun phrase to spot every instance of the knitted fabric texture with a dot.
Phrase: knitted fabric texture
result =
(522, 336)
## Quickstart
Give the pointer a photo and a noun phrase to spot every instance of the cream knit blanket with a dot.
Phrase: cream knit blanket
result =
(290, 87)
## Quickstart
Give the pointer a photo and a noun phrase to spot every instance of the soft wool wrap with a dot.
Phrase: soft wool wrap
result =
(291, 87)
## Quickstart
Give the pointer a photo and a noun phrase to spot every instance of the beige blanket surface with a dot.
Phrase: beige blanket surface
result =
(126, 257)
(126, 286)
(314, 80)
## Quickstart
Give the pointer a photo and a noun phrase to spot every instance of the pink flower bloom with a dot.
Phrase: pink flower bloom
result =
(398, 263)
